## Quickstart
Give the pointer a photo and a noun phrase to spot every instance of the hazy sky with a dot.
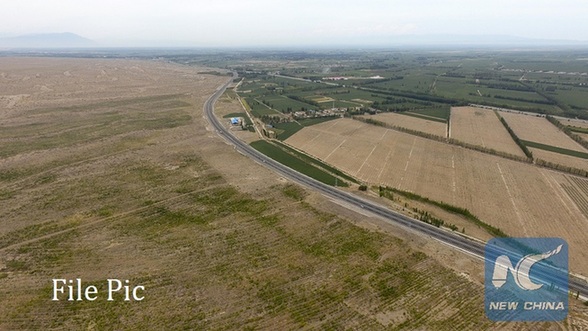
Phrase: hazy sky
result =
(293, 22)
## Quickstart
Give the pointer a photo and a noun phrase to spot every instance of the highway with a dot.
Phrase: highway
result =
(472, 247)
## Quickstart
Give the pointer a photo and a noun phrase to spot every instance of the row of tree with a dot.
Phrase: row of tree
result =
(529, 155)
(446, 140)
(273, 120)
(399, 128)
(563, 168)
(547, 96)
(515, 137)
(300, 99)
(528, 159)
(417, 96)
(567, 131)
(387, 192)
(426, 217)
(541, 102)
(508, 86)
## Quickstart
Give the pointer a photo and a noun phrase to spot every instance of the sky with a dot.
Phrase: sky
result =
(228, 23)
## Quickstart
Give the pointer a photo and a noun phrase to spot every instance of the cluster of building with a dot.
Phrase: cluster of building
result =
(335, 78)
(319, 113)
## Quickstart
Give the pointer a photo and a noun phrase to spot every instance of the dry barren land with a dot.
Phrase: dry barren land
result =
(519, 198)
(107, 170)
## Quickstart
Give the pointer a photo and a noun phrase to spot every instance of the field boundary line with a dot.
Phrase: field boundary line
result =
(516, 209)
(385, 164)
(372, 152)
(334, 149)
(407, 162)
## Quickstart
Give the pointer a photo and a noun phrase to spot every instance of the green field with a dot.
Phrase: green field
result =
(258, 109)
(577, 129)
(283, 103)
(312, 160)
(554, 82)
(286, 130)
(574, 97)
(288, 159)
(440, 114)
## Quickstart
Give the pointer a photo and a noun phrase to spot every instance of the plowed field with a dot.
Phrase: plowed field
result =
(412, 123)
(482, 127)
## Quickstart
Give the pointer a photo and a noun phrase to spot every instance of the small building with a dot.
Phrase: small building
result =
(238, 123)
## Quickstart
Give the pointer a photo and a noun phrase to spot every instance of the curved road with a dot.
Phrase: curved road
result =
(472, 247)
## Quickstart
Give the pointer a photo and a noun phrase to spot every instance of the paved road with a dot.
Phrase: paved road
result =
(475, 248)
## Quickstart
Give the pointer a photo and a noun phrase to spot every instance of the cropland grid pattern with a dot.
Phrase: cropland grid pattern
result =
(513, 196)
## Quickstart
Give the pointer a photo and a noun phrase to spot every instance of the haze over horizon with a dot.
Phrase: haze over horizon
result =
(231, 23)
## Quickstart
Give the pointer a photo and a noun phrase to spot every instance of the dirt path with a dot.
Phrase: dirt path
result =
(514, 205)
(372, 152)
(407, 163)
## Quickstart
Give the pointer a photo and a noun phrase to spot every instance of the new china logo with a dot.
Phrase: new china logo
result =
(526, 279)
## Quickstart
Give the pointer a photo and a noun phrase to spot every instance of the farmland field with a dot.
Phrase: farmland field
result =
(258, 109)
(558, 158)
(482, 127)
(109, 170)
(282, 156)
(412, 123)
(142, 191)
(282, 103)
(573, 122)
(539, 130)
(520, 199)
(577, 189)
(321, 99)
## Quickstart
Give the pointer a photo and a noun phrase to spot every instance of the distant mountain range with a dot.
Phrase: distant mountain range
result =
(47, 40)
(72, 40)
